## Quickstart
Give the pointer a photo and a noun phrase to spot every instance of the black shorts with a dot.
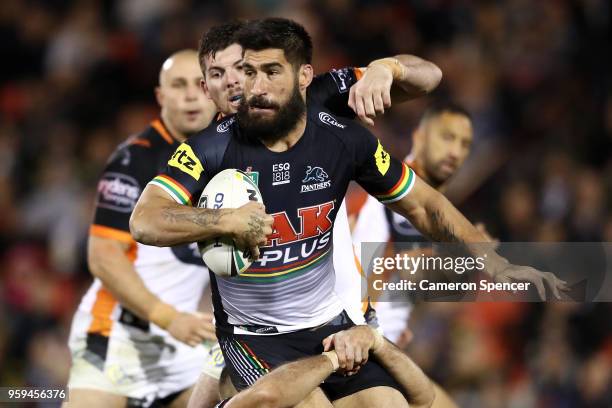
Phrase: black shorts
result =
(249, 357)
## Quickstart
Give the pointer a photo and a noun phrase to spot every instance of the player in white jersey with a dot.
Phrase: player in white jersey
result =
(220, 59)
(441, 143)
(136, 337)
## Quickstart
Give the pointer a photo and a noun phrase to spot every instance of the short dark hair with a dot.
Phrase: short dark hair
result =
(281, 33)
(218, 38)
(441, 106)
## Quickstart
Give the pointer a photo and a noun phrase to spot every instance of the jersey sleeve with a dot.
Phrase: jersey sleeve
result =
(185, 175)
(119, 187)
(382, 176)
(331, 90)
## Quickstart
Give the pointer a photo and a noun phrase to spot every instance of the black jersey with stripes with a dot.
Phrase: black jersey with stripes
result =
(176, 275)
(126, 173)
(128, 170)
(291, 286)
(142, 156)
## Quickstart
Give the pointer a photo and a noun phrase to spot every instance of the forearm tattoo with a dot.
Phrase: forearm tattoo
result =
(202, 218)
(441, 229)
(256, 224)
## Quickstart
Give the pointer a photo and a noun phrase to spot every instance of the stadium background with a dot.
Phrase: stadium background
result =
(78, 78)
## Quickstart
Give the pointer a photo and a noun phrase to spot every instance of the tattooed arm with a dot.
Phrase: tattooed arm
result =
(432, 214)
(159, 220)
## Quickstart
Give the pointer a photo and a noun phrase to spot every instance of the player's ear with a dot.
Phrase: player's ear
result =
(306, 74)
(159, 96)
(204, 86)
(416, 134)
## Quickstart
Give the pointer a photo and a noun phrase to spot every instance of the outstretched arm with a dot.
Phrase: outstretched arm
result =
(432, 214)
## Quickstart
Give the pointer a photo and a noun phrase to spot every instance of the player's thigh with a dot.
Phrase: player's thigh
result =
(182, 399)
(383, 397)
(205, 392)
(84, 398)
(316, 399)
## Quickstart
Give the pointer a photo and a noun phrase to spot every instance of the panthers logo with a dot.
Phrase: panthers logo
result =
(315, 174)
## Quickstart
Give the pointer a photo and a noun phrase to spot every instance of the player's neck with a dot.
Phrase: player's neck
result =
(178, 136)
(288, 141)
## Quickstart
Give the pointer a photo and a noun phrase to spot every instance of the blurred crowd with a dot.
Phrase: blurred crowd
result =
(78, 78)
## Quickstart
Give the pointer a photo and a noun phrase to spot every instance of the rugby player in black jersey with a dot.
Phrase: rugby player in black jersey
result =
(184, 110)
(291, 307)
(400, 78)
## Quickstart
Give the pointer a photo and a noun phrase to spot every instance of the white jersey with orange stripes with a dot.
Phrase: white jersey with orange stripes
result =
(171, 280)
(113, 350)
(177, 275)
(372, 225)
(348, 272)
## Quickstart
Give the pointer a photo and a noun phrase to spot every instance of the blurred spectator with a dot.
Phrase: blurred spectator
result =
(77, 46)
(589, 209)
(518, 211)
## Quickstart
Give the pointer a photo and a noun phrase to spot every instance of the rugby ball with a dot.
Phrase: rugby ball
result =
(230, 188)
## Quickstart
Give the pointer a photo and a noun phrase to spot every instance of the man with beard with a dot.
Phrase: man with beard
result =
(290, 306)
(363, 92)
(346, 92)
(441, 143)
(136, 337)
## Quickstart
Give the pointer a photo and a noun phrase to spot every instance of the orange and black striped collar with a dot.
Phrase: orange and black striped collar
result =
(161, 129)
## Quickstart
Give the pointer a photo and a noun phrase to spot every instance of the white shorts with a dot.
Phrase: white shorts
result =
(393, 318)
(140, 365)
(214, 362)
